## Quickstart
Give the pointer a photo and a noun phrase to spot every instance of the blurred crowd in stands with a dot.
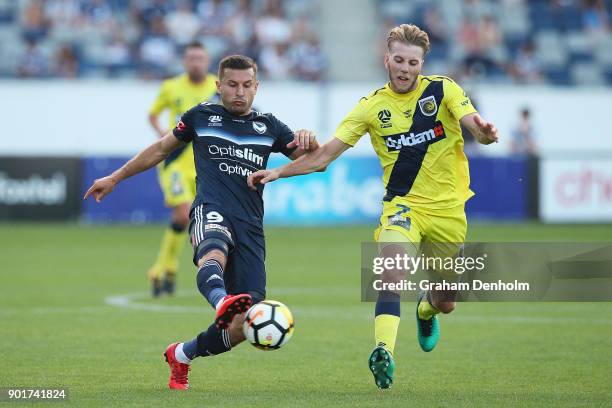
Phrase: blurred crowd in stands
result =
(144, 38)
(565, 42)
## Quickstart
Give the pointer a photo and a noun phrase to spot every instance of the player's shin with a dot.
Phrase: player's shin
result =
(387, 319)
(210, 282)
(208, 343)
(172, 245)
(212, 341)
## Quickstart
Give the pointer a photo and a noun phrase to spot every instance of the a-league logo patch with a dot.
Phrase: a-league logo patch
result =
(384, 116)
(260, 127)
(428, 106)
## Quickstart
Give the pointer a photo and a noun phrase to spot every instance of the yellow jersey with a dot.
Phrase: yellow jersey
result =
(178, 95)
(417, 137)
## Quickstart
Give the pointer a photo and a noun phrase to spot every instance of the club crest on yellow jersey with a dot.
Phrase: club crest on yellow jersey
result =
(428, 106)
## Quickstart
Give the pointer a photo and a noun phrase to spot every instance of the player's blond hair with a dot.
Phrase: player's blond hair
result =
(409, 34)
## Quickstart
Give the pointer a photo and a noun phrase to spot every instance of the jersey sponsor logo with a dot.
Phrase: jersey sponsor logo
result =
(396, 142)
(215, 120)
(384, 116)
(235, 169)
(428, 106)
(240, 153)
(217, 228)
(260, 127)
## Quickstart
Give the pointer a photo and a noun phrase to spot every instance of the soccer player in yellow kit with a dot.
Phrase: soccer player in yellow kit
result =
(177, 173)
(414, 122)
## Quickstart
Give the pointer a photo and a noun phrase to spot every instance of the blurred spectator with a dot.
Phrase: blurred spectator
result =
(214, 17)
(310, 62)
(595, 17)
(32, 63)
(275, 61)
(480, 41)
(182, 23)
(435, 27)
(272, 27)
(157, 51)
(152, 11)
(63, 12)
(97, 12)
(66, 63)
(117, 56)
(34, 24)
(241, 28)
(475, 10)
(523, 136)
(525, 68)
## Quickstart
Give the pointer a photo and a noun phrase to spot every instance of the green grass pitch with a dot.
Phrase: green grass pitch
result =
(58, 330)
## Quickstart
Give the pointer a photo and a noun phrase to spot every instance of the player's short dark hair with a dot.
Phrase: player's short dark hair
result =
(194, 44)
(236, 62)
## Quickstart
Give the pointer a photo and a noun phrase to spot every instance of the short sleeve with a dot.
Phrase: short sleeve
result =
(184, 129)
(457, 101)
(284, 136)
(161, 102)
(353, 126)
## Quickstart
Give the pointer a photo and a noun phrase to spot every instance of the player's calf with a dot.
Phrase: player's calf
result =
(443, 300)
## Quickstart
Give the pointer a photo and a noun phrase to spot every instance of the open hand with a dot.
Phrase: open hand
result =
(487, 129)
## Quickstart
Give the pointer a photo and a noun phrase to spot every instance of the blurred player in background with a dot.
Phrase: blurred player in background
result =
(230, 141)
(414, 125)
(177, 173)
(523, 136)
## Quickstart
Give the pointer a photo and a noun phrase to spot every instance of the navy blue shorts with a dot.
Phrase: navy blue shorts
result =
(245, 270)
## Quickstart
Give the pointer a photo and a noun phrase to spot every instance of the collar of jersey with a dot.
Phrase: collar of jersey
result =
(404, 95)
(230, 114)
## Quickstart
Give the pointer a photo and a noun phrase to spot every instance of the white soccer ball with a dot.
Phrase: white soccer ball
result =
(268, 325)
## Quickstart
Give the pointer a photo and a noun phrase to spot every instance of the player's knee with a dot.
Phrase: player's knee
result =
(445, 306)
(215, 255)
(236, 334)
(180, 216)
(393, 275)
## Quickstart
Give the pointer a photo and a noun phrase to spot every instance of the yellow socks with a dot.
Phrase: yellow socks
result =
(385, 330)
(169, 251)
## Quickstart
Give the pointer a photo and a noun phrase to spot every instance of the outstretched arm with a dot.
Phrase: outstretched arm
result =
(310, 162)
(144, 160)
(485, 132)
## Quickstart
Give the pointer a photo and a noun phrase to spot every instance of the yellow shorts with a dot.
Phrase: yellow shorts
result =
(177, 179)
(442, 232)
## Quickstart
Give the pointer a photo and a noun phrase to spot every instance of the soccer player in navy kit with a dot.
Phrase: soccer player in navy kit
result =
(230, 141)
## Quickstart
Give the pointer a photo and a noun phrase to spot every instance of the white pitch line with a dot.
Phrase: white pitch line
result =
(362, 311)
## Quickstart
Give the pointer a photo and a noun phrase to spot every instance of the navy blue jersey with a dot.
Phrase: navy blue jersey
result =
(227, 149)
